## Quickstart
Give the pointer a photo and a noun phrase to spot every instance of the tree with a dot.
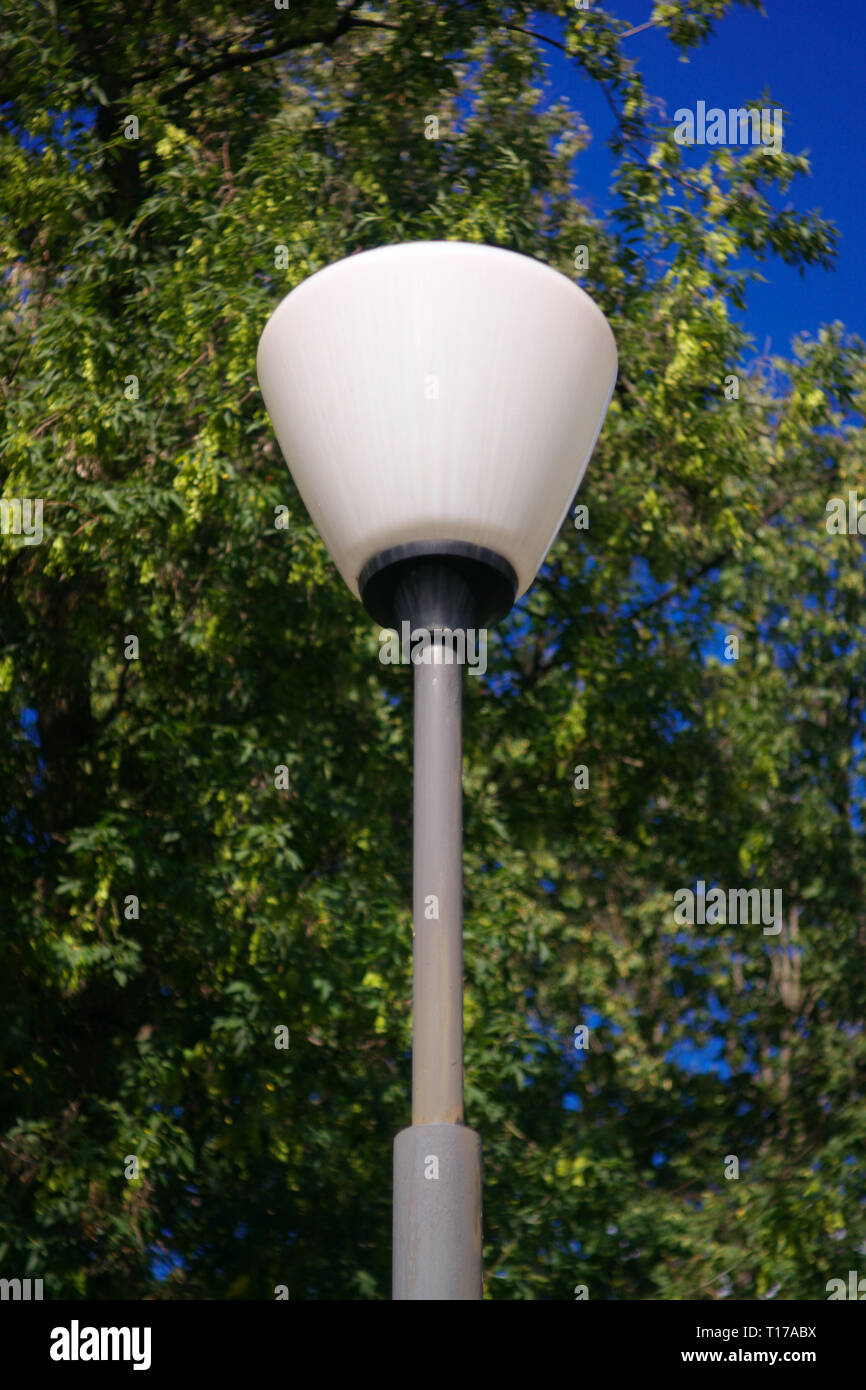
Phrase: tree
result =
(206, 853)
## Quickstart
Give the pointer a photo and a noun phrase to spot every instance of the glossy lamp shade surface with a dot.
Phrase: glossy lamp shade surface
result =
(437, 391)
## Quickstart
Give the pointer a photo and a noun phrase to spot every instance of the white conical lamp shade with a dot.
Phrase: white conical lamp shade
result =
(437, 391)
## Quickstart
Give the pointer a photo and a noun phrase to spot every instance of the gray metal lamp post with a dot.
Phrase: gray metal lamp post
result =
(437, 404)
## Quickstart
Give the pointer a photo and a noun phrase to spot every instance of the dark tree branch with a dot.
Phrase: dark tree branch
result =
(348, 20)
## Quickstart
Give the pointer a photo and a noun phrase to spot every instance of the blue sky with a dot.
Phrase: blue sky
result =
(808, 57)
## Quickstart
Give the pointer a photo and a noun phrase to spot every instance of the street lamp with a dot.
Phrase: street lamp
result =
(437, 404)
